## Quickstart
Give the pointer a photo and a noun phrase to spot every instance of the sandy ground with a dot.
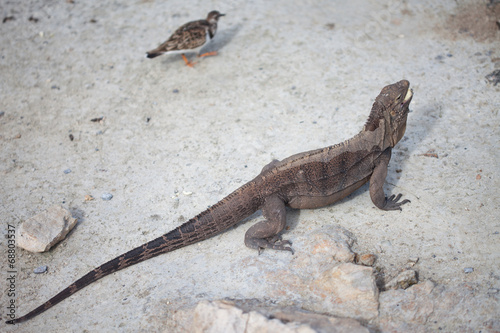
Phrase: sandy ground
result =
(289, 77)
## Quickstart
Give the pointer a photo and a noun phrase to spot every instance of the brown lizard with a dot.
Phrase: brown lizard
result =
(311, 179)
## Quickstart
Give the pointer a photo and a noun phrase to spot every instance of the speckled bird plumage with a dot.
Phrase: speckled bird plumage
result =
(190, 37)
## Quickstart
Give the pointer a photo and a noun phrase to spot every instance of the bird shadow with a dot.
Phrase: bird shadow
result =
(223, 38)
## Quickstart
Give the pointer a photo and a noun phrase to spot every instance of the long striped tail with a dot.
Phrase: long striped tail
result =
(227, 212)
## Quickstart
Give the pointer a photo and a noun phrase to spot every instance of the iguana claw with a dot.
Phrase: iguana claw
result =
(392, 203)
(275, 243)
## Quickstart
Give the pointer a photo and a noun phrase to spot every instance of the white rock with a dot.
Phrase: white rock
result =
(322, 323)
(225, 316)
(333, 241)
(346, 290)
(366, 259)
(403, 280)
(40, 232)
(399, 309)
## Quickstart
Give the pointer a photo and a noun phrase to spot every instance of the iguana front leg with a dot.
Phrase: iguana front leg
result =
(264, 235)
(377, 180)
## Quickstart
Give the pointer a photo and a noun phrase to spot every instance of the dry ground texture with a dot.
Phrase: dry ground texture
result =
(290, 76)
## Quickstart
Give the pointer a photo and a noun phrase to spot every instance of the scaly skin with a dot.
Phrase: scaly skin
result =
(311, 179)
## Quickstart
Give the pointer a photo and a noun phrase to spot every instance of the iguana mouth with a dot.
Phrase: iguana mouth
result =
(408, 96)
(406, 101)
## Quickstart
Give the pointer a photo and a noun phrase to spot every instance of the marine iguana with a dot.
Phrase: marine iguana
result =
(306, 180)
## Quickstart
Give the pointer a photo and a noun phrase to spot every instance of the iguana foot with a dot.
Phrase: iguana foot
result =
(392, 203)
(262, 244)
(278, 240)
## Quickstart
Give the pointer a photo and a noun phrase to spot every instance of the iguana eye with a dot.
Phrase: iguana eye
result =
(399, 96)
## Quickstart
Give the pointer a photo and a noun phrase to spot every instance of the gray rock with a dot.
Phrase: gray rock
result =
(346, 290)
(225, 316)
(40, 270)
(384, 246)
(366, 259)
(222, 316)
(406, 309)
(107, 196)
(429, 307)
(403, 280)
(322, 323)
(332, 241)
(40, 232)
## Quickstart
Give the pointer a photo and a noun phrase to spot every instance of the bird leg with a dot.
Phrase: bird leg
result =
(190, 64)
(207, 54)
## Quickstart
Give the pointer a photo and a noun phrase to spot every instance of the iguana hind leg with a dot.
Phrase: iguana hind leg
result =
(264, 235)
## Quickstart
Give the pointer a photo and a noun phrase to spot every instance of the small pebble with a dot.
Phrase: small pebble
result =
(107, 196)
(403, 280)
(67, 171)
(386, 245)
(494, 77)
(40, 270)
(175, 91)
(413, 259)
(468, 270)
(367, 259)
(492, 291)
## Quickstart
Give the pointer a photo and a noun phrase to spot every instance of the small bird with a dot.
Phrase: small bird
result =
(191, 37)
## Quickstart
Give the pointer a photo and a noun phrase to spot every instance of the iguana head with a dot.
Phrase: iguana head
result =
(390, 110)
